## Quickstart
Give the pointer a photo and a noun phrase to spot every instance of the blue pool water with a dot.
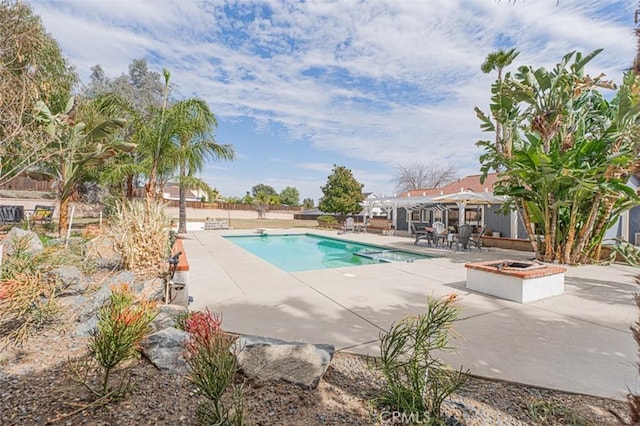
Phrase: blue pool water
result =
(304, 252)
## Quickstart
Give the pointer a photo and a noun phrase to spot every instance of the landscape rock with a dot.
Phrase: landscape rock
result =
(152, 289)
(70, 280)
(85, 328)
(23, 241)
(266, 359)
(75, 301)
(167, 316)
(112, 263)
(164, 349)
(104, 293)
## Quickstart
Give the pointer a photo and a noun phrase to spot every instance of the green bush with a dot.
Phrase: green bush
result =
(416, 382)
(327, 220)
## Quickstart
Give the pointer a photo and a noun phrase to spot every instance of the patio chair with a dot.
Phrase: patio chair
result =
(421, 234)
(477, 240)
(462, 237)
(438, 233)
(349, 225)
(10, 215)
(363, 226)
(42, 214)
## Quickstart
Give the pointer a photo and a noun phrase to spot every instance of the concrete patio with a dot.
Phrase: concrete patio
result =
(578, 342)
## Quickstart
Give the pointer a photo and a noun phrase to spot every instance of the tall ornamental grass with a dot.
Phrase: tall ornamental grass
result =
(140, 230)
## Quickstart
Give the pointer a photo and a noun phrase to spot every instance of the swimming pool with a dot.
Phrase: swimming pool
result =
(305, 252)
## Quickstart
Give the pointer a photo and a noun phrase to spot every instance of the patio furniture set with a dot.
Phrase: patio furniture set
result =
(438, 235)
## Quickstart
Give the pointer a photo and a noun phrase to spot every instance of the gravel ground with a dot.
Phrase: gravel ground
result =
(35, 390)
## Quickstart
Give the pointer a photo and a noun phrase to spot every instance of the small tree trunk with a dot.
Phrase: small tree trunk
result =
(182, 225)
(526, 221)
(130, 189)
(63, 221)
(152, 181)
(548, 247)
(586, 231)
(571, 233)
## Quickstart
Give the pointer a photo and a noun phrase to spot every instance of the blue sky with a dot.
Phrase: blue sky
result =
(298, 86)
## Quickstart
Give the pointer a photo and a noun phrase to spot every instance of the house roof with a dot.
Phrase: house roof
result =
(173, 191)
(467, 183)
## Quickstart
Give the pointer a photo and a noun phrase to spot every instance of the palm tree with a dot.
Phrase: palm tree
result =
(190, 123)
(158, 139)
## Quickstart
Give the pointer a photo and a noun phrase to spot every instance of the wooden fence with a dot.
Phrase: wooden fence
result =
(24, 183)
(229, 206)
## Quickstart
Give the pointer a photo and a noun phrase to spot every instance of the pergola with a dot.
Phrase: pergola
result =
(390, 205)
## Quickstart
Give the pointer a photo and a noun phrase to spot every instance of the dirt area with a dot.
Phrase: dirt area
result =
(35, 389)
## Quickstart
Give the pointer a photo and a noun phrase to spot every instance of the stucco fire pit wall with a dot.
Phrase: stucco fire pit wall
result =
(520, 281)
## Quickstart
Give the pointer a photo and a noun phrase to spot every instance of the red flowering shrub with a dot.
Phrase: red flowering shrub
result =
(212, 367)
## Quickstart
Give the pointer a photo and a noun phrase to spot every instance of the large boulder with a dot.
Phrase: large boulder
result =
(167, 316)
(164, 349)
(21, 241)
(70, 280)
(265, 359)
(104, 293)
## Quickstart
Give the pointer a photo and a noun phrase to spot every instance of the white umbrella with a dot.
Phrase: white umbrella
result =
(462, 198)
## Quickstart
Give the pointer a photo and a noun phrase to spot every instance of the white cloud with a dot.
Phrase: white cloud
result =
(384, 81)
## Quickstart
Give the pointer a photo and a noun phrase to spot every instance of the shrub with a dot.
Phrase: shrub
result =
(212, 367)
(27, 303)
(417, 383)
(327, 220)
(122, 323)
(140, 232)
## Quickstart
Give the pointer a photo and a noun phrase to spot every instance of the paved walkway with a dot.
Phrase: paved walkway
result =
(578, 342)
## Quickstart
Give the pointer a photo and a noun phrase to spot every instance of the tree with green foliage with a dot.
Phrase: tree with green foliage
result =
(290, 196)
(568, 154)
(32, 69)
(136, 96)
(261, 187)
(75, 149)
(342, 192)
(192, 123)
(308, 203)
(498, 61)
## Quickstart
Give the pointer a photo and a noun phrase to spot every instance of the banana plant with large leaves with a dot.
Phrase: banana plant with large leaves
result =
(570, 154)
(76, 148)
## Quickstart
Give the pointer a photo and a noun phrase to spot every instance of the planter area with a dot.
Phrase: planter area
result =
(520, 281)
(507, 243)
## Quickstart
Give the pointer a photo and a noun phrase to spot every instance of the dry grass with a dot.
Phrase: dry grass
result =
(140, 233)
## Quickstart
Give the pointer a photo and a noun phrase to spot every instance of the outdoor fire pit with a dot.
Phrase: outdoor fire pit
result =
(517, 280)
